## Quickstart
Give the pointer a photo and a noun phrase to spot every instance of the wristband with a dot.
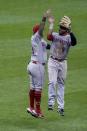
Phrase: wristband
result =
(44, 19)
(51, 26)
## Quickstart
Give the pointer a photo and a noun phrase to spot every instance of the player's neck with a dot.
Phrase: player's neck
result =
(64, 34)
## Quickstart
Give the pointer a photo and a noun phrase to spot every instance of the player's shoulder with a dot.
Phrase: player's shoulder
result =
(55, 35)
(36, 35)
(68, 37)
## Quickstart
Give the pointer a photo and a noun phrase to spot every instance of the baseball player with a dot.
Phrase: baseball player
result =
(57, 63)
(36, 68)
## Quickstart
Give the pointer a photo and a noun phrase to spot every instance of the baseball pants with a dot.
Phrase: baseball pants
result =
(57, 74)
(36, 73)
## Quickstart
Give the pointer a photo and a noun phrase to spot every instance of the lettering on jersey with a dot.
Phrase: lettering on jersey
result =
(59, 48)
(63, 41)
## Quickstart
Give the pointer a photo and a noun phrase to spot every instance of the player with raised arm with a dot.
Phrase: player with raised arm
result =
(36, 67)
(57, 63)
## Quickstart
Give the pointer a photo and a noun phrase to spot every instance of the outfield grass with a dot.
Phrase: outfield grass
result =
(16, 20)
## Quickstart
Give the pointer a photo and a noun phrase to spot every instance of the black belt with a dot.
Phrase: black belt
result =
(60, 60)
(36, 62)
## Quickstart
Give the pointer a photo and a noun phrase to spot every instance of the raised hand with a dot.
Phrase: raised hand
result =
(47, 13)
(51, 19)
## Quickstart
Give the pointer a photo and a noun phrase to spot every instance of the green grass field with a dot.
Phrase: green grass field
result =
(16, 20)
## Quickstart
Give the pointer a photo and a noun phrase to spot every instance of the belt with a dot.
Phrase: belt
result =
(36, 62)
(60, 60)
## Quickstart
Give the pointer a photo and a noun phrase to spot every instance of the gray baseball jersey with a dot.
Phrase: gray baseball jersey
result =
(38, 48)
(39, 55)
(57, 71)
(60, 46)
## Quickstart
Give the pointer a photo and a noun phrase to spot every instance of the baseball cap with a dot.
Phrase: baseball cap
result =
(65, 22)
(36, 28)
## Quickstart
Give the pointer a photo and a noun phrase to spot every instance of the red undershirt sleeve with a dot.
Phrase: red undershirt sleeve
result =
(50, 37)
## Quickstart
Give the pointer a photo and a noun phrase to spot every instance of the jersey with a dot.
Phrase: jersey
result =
(38, 48)
(60, 46)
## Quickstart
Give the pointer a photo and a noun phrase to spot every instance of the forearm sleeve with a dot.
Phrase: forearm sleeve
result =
(73, 39)
(50, 37)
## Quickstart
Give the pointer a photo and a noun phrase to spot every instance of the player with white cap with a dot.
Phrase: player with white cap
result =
(57, 63)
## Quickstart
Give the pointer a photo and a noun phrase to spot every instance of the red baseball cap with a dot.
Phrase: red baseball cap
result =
(36, 28)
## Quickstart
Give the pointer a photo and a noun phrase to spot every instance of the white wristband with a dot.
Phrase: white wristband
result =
(51, 26)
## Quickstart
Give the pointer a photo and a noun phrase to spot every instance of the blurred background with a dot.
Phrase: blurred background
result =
(17, 18)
